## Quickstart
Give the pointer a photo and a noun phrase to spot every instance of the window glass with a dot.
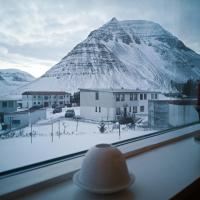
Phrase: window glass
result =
(147, 75)
(135, 97)
(97, 95)
(4, 104)
(134, 109)
(122, 97)
(131, 97)
(117, 111)
(117, 97)
(141, 108)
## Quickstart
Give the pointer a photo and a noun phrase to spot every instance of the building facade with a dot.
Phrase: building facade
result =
(24, 118)
(171, 113)
(45, 98)
(7, 105)
(111, 104)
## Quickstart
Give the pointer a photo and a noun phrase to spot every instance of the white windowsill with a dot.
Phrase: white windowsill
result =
(65, 170)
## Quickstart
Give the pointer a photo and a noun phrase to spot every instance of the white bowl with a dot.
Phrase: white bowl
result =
(103, 170)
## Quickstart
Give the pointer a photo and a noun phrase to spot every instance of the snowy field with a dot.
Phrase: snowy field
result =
(69, 136)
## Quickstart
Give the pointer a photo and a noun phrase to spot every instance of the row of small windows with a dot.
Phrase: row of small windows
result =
(7, 104)
(131, 109)
(35, 103)
(48, 97)
(97, 109)
(133, 97)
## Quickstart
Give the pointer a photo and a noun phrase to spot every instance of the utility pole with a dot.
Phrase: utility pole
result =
(31, 134)
(119, 131)
(76, 124)
(52, 132)
(59, 128)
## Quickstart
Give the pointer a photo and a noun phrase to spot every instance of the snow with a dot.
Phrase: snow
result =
(111, 57)
(19, 151)
(10, 79)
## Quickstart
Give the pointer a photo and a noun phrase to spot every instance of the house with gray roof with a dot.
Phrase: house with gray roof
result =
(111, 104)
(45, 98)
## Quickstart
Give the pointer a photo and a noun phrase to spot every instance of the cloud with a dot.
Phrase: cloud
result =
(47, 30)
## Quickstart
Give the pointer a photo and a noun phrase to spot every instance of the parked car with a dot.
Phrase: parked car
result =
(36, 107)
(70, 113)
(54, 105)
(57, 110)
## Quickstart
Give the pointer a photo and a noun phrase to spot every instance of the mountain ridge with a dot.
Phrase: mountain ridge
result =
(129, 54)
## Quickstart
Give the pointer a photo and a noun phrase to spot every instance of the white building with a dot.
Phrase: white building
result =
(24, 118)
(171, 113)
(110, 104)
(45, 98)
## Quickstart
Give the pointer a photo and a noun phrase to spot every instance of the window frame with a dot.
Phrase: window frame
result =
(141, 108)
(97, 96)
(68, 157)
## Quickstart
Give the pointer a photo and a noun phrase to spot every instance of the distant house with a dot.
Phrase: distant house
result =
(24, 118)
(7, 104)
(45, 98)
(111, 104)
(171, 113)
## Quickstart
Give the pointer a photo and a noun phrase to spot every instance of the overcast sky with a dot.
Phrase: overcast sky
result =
(36, 34)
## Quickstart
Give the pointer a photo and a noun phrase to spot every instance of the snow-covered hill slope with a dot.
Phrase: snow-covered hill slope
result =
(129, 54)
(10, 79)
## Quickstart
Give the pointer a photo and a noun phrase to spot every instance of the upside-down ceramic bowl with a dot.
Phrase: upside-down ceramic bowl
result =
(103, 170)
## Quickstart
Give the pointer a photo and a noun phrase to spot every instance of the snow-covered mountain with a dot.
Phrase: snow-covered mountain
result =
(10, 79)
(129, 54)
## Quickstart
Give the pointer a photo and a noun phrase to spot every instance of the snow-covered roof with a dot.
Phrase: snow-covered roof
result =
(9, 98)
(44, 93)
(177, 101)
(122, 90)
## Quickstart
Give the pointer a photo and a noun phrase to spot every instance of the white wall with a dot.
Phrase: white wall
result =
(182, 114)
(24, 117)
(88, 112)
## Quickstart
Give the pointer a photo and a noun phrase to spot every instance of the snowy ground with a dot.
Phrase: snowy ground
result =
(71, 137)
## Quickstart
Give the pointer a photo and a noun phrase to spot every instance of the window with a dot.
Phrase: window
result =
(131, 97)
(15, 122)
(96, 95)
(117, 97)
(141, 108)
(4, 104)
(99, 72)
(134, 109)
(117, 111)
(11, 104)
(122, 97)
(135, 97)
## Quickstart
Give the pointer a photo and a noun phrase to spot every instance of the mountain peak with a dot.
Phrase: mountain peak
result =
(114, 19)
(129, 54)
